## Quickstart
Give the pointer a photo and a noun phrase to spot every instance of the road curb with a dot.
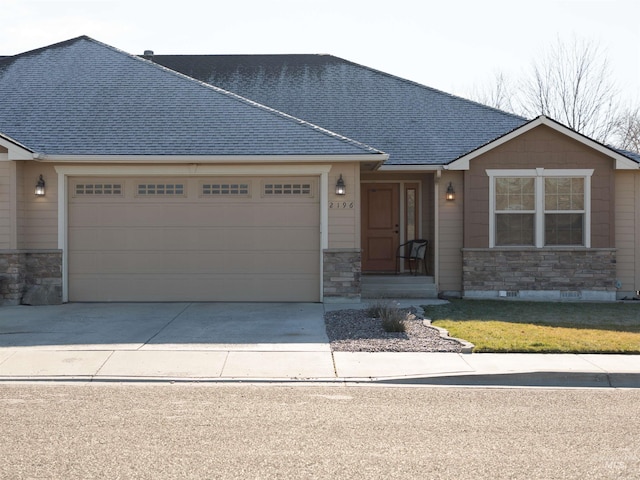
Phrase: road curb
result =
(497, 380)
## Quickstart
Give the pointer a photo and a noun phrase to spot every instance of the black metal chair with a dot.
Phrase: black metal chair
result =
(413, 252)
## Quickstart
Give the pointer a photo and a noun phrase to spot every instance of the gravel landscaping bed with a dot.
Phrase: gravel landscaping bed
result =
(354, 331)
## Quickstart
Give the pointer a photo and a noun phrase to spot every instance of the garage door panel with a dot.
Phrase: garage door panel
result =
(96, 239)
(191, 247)
(179, 263)
(212, 288)
(188, 215)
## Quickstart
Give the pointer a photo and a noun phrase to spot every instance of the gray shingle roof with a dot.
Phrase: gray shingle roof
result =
(629, 154)
(413, 123)
(82, 97)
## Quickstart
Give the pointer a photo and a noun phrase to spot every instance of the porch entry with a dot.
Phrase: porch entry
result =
(389, 217)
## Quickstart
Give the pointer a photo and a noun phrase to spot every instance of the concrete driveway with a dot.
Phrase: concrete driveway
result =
(253, 342)
(166, 326)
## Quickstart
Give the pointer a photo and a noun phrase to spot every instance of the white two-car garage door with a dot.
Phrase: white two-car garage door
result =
(194, 239)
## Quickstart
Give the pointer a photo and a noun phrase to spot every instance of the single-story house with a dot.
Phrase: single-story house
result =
(291, 178)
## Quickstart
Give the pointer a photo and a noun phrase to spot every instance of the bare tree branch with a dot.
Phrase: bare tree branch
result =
(499, 94)
(572, 84)
(627, 130)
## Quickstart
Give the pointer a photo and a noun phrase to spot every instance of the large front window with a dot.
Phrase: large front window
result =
(539, 207)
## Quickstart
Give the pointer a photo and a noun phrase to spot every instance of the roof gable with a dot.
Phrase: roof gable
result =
(82, 97)
(415, 124)
(622, 162)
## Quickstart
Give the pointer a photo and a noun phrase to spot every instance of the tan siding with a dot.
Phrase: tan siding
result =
(39, 215)
(7, 204)
(344, 223)
(541, 147)
(451, 233)
(626, 228)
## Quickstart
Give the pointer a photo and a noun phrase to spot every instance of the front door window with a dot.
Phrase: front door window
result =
(411, 211)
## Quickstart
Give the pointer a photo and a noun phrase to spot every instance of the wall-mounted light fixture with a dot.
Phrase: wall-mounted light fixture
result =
(40, 187)
(340, 187)
(451, 193)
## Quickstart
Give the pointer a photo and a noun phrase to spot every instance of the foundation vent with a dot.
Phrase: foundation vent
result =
(509, 293)
(570, 295)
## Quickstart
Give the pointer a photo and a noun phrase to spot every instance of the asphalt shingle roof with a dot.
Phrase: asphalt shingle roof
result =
(82, 97)
(414, 124)
(629, 154)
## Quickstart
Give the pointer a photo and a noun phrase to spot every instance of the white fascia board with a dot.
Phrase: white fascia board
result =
(410, 168)
(621, 162)
(15, 150)
(624, 163)
(190, 170)
(213, 159)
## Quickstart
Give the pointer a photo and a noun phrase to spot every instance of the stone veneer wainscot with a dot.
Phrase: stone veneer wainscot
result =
(341, 275)
(23, 270)
(540, 273)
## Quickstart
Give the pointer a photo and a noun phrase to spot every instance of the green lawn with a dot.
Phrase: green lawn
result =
(541, 327)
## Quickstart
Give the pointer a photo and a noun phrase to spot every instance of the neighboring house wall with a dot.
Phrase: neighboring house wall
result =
(627, 230)
(549, 272)
(450, 214)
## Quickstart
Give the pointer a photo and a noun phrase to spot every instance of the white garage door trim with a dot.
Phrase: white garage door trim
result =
(64, 172)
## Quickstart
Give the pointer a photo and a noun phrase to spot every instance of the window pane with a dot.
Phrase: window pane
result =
(411, 213)
(577, 194)
(563, 193)
(514, 229)
(514, 193)
(563, 229)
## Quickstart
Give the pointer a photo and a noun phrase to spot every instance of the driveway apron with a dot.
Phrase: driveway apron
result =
(166, 326)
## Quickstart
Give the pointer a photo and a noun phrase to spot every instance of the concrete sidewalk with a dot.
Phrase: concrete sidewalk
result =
(279, 343)
(30, 364)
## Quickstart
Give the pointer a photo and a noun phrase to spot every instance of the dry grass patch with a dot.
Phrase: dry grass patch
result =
(541, 327)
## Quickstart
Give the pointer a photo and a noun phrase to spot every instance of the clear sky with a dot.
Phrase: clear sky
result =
(452, 45)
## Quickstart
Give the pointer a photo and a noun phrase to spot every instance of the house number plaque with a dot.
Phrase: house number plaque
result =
(343, 205)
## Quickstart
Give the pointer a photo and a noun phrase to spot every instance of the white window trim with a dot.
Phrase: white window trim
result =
(539, 174)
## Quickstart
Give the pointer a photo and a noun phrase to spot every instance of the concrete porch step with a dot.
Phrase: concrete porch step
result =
(398, 286)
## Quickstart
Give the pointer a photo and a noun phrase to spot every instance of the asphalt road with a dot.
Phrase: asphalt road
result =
(244, 431)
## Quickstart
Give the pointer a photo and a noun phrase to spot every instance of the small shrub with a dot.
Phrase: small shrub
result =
(390, 315)
(380, 308)
(393, 321)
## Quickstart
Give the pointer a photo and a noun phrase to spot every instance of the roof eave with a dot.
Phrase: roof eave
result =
(378, 158)
(410, 168)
